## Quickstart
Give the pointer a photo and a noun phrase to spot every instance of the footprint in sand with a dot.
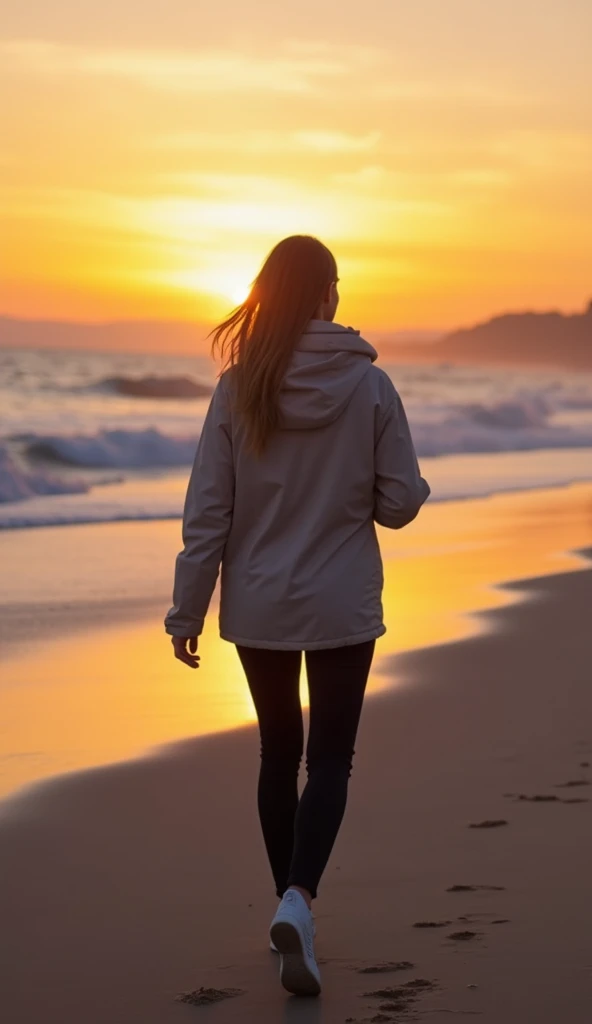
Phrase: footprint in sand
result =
(538, 798)
(378, 1018)
(552, 798)
(476, 888)
(388, 967)
(478, 917)
(208, 996)
(401, 998)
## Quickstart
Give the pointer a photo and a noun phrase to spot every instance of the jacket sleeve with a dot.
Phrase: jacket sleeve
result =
(399, 488)
(206, 521)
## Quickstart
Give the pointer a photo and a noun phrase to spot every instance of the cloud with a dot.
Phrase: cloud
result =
(537, 149)
(481, 177)
(369, 176)
(293, 67)
(229, 71)
(454, 90)
(235, 206)
(204, 209)
(336, 142)
(257, 141)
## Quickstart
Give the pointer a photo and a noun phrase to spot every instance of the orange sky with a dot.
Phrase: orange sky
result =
(154, 151)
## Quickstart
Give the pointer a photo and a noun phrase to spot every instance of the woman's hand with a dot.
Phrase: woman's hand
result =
(185, 648)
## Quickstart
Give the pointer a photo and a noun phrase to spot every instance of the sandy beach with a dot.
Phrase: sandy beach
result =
(86, 673)
(291, 291)
(125, 885)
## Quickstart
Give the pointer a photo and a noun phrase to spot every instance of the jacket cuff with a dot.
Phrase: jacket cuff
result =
(183, 629)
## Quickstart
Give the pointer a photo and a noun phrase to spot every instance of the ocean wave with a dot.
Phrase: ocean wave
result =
(452, 478)
(32, 516)
(115, 449)
(533, 411)
(481, 428)
(17, 484)
(477, 428)
(156, 387)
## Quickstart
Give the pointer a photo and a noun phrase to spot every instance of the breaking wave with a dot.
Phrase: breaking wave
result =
(156, 387)
(17, 484)
(478, 428)
(115, 449)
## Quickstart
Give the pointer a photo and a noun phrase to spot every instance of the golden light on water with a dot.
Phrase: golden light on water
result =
(106, 694)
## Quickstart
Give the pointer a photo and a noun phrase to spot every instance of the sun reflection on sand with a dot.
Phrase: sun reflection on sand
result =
(113, 692)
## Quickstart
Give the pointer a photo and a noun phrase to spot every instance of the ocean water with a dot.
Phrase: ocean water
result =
(82, 441)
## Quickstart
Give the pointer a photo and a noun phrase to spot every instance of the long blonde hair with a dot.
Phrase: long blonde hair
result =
(259, 337)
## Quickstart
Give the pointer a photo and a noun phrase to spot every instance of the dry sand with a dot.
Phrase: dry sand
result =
(124, 886)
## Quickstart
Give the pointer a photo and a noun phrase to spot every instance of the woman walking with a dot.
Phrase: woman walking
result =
(304, 448)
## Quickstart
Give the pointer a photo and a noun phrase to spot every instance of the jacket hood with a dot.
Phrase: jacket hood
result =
(327, 365)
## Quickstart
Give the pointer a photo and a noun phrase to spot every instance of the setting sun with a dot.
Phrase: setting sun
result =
(226, 284)
(233, 285)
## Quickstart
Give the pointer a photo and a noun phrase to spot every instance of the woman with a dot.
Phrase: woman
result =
(304, 448)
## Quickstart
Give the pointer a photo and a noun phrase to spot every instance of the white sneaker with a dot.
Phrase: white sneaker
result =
(273, 946)
(292, 934)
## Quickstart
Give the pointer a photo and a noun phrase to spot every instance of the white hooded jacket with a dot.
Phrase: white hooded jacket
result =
(293, 528)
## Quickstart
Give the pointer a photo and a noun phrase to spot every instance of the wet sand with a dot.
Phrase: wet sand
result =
(454, 889)
(87, 676)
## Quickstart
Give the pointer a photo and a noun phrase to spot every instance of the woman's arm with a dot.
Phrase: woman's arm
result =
(399, 488)
(206, 521)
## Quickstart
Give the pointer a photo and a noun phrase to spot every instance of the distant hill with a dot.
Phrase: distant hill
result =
(157, 336)
(515, 339)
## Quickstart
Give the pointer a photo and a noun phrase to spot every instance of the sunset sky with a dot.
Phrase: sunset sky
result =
(154, 151)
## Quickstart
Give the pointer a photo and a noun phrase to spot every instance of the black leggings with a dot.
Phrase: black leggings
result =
(299, 833)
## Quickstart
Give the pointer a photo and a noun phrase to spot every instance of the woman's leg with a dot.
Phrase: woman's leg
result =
(274, 682)
(337, 680)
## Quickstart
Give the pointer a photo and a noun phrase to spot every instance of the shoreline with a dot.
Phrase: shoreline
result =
(126, 880)
(100, 674)
(130, 494)
(402, 667)
(138, 605)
